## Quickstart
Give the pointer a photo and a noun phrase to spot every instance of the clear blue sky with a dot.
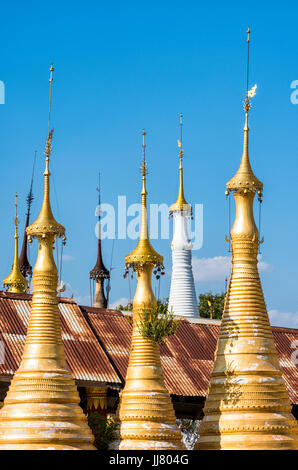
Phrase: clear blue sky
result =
(123, 66)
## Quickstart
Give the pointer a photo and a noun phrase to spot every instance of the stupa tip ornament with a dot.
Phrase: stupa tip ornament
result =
(144, 253)
(247, 407)
(146, 411)
(41, 410)
(16, 282)
(181, 205)
(245, 178)
(46, 223)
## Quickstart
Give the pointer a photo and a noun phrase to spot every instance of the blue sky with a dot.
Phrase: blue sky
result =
(121, 67)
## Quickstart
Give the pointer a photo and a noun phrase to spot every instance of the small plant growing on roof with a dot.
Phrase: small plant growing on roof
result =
(157, 323)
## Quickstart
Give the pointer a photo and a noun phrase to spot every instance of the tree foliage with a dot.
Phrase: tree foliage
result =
(125, 308)
(103, 429)
(211, 305)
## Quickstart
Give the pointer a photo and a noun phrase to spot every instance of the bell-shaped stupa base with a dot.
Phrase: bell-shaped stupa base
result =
(41, 410)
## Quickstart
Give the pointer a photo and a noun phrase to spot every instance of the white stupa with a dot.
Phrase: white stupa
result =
(183, 299)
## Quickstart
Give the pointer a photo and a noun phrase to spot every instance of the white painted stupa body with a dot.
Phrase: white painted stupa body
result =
(183, 299)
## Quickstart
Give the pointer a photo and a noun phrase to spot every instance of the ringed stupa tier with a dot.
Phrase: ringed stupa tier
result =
(247, 407)
(16, 282)
(146, 410)
(41, 410)
(183, 299)
(99, 273)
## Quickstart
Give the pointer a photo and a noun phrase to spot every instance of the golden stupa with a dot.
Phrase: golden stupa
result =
(16, 282)
(146, 411)
(41, 410)
(247, 407)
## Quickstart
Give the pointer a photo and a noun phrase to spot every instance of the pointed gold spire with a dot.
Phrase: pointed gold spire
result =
(247, 407)
(16, 282)
(181, 205)
(146, 411)
(46, 222)
(144, 252)
(41, 409)
(245, 178)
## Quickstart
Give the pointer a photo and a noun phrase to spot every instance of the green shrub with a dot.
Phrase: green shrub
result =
(157, 323)
(104, 430)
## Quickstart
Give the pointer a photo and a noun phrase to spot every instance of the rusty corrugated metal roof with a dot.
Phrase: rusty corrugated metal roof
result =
(187, 357)
(85, 356)
(114, 332)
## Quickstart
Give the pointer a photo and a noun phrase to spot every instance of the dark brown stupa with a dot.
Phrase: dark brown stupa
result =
(25, 266)
(99, 273)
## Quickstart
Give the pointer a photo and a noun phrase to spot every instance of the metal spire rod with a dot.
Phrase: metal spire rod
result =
(181, 125)
(98, 188)
(247, 66)
(30, 196)
(16, 211)
(144, 170)
(50, 101)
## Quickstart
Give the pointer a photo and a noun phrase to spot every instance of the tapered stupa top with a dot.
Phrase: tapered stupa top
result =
(25, 266)
(245, 178)
(16, 282)
(99, 271)
(144, 252)
(46, 223)
(181, 205)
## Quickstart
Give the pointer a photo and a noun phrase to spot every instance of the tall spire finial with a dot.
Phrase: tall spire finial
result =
(245, 178)
(144, 252)
(180, 144)
(181, 125)
(144, 170)
(16, 214)
(45, 223)
(249, 93)
(50, 99)
(247, 67)
(181, 205)
(16, 282)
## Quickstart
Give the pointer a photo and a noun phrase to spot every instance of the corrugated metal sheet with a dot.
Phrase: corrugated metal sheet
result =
(286, 341)
(114, 332)
(85, 356)
(188, 356)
